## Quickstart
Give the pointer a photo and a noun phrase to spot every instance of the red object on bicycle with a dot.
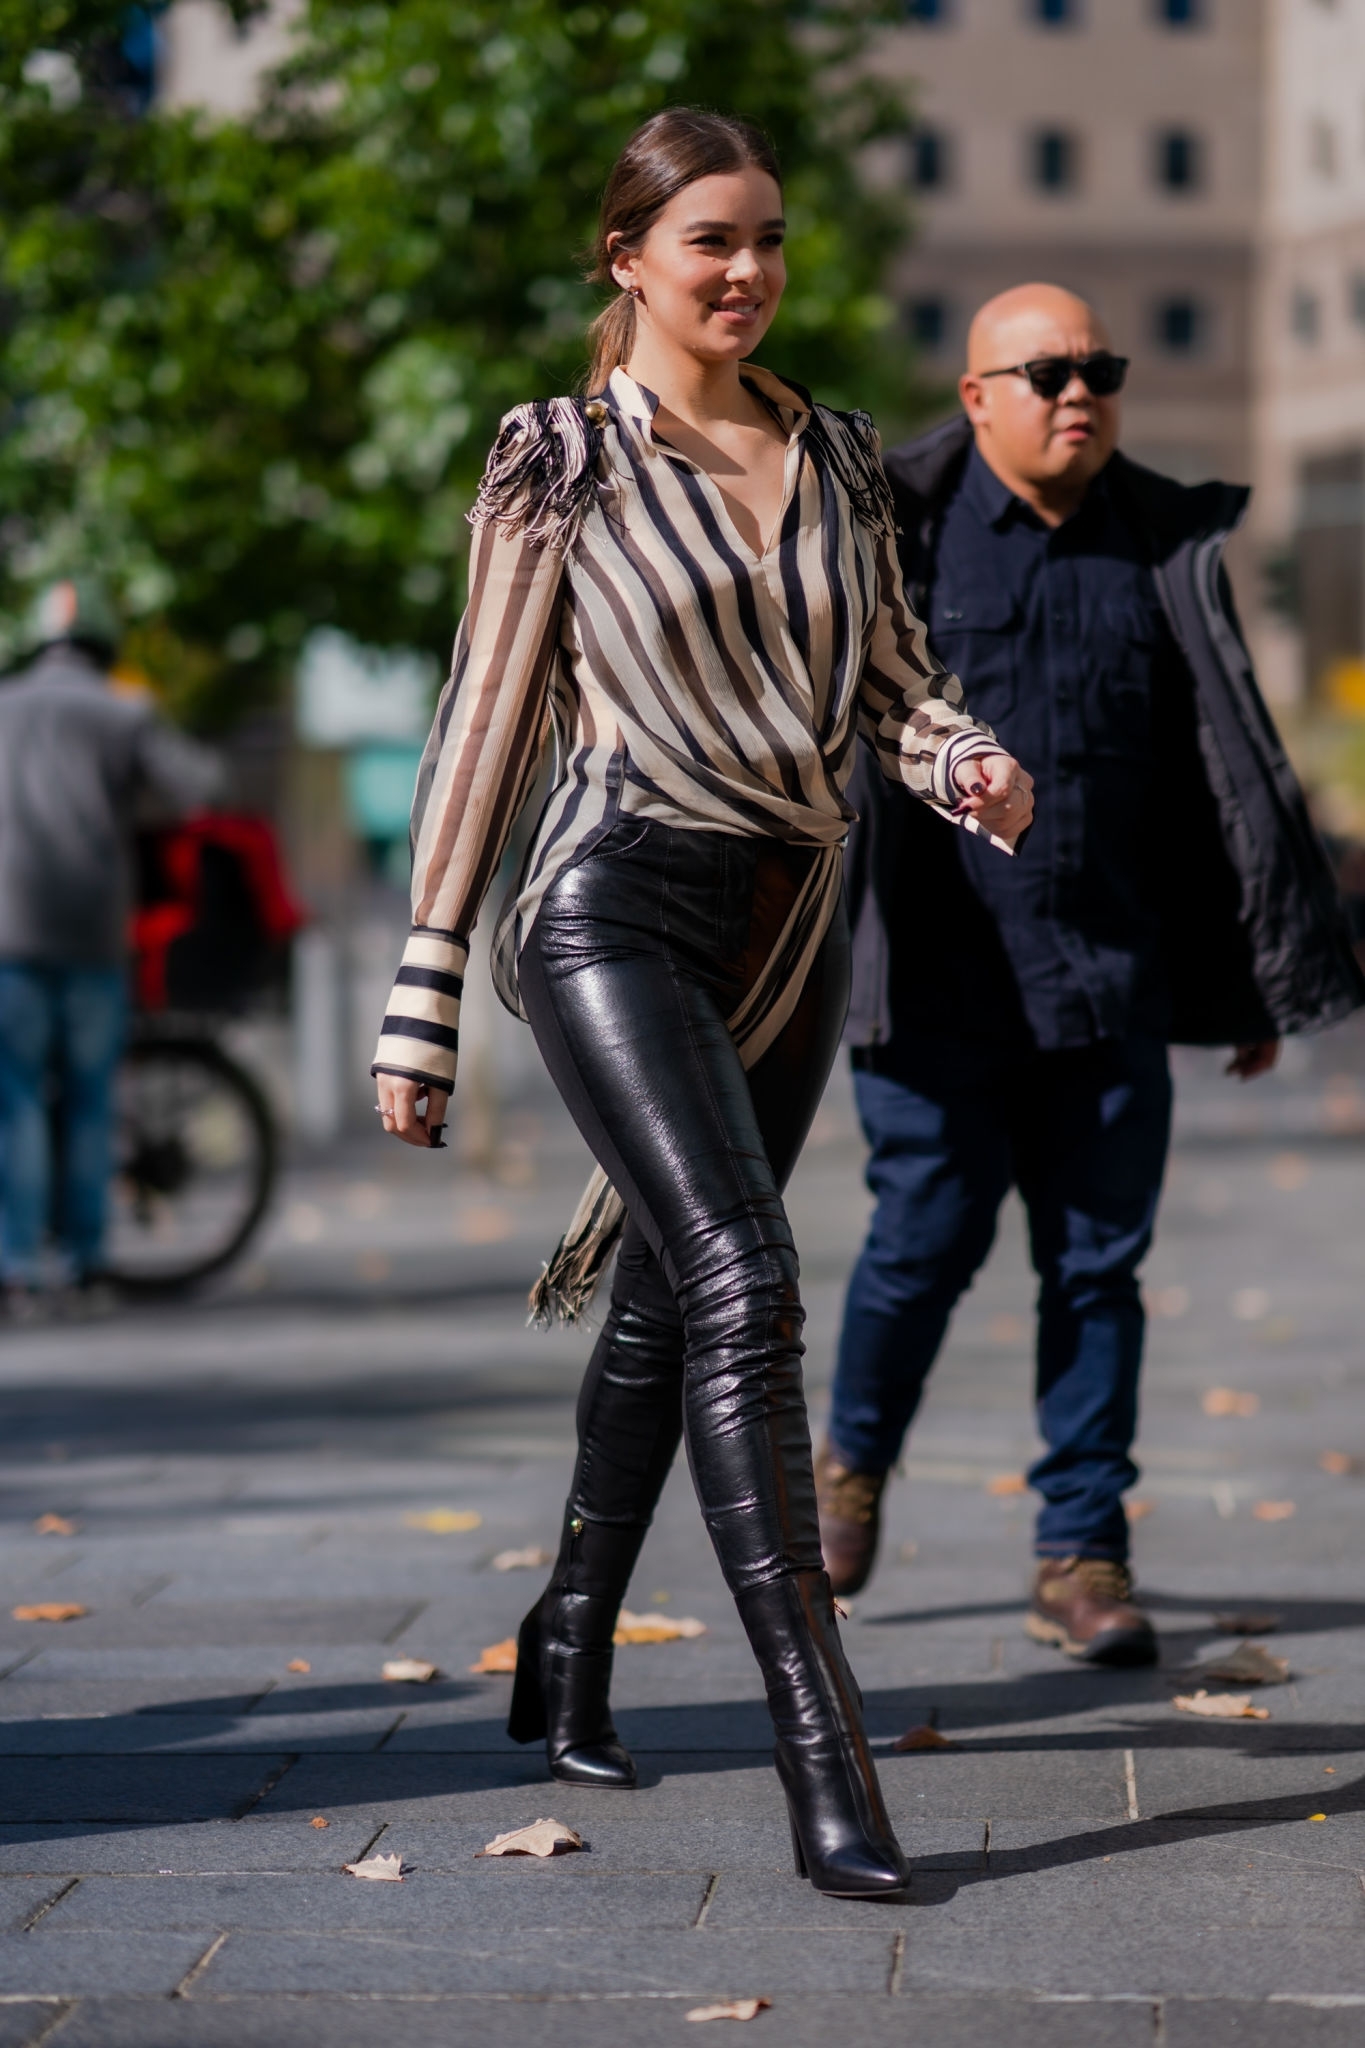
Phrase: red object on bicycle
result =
(215, 912)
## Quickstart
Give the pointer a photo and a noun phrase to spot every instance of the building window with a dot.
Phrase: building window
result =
(929, 159)
(1305, 316)
(1179, 160)
(1182, 13)
(1055, 13)
(928, 321)
(1181, 326)
(927, 10)
(1054, 160)
(1355, 298)
(1322, 148)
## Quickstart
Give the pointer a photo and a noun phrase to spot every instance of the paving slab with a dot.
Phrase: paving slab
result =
(26, 2023)
(1253, 1778)
(807, 2021)
(68, 1966)
(164, 1623)
(1103, 1939)
(1273, 2023)
(69, 1735)
(24, 1698)
(506, 1897)
(186, 1848)
(700, 1963)
(133, 1788)
(1214, 1844)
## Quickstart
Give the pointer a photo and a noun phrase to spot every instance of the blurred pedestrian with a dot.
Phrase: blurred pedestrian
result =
(1010, 1019)
(693, 576)
(77, 760)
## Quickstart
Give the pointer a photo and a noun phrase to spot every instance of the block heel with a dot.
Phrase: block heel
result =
(798, 1852)
(526, 1715)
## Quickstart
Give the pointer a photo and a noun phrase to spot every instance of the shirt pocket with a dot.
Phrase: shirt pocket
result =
(975, 633)
(1119, 701)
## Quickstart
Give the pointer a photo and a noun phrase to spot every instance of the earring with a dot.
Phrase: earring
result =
(635, 291)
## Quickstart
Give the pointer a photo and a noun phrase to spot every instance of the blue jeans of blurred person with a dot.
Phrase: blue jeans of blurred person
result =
(1083, 1134)
(66, 1024)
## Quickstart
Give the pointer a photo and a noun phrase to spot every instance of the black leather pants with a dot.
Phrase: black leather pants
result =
(636, 957)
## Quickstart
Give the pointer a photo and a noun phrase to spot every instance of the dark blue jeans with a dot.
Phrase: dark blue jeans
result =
(1084, 1136)
(68, 1022)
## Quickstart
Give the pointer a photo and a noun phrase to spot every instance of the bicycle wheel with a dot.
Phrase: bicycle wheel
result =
(196, 1154)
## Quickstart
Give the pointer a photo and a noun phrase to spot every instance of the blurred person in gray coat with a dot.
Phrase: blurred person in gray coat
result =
(80, 764)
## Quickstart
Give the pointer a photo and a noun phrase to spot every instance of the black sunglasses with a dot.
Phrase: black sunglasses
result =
(1048, 376)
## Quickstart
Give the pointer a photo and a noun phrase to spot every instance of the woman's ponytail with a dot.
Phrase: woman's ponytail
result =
(611, 337)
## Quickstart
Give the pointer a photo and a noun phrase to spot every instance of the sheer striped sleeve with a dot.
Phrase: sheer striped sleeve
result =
(477, 772)
(911, 710)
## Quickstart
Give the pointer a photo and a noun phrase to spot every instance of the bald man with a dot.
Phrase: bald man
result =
(1010, 1019)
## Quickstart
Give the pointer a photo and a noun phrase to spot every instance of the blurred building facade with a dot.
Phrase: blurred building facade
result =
(1111, 146)
(1308, 517)
(1196, 168)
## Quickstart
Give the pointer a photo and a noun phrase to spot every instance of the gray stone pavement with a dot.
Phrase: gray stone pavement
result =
(1090, 1866)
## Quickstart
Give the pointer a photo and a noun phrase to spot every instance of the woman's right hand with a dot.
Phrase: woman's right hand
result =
(398, 1100)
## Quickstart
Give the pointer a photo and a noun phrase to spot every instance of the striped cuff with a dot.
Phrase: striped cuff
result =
(963, 746)
(420, 1036)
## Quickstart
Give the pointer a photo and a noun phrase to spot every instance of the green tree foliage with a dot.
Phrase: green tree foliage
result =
(251, 369)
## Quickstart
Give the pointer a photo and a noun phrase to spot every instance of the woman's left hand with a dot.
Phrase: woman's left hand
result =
(998, 793)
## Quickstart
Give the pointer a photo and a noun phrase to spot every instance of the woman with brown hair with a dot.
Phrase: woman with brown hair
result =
(690, 578)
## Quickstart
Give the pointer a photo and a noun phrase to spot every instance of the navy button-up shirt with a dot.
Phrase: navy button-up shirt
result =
(1058, 637)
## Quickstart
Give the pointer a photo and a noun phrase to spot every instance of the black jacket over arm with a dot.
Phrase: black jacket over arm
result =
(1254, 938)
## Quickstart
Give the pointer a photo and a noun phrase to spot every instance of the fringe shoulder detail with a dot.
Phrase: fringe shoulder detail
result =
(540, 475)
(852, 449)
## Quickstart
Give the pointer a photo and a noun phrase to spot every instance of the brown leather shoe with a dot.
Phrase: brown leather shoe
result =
(850, 1506)
(1084, 1606)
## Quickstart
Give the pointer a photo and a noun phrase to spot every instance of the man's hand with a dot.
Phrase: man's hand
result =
(1250, 1060)
(998, 793)
(398, 1100)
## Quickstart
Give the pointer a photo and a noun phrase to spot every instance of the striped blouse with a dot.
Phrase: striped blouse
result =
(684, 677)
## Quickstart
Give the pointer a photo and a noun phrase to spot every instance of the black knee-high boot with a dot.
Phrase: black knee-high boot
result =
(841, 1835)
(562, 1691)
(629, 1424)
(749, 1446)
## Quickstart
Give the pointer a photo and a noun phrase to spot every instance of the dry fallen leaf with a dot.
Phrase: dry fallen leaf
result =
(499, 1657)
(1253, 1622)
(50, 1610)
(1317, 1816)
(1248, 1664)
(733, 2009)
(1221, 1706)
(655, 1628)
(527, 1560)
(1274, 1510)
(383, 1869)
(318, 1822)
(1006, 1483)
(408, 1671)
(921, 1738)
(1337, 1462)
(542, 1838)
(298, 1664)
(1229, 1401)
(54, 1525)
(446, 1521)
(1138, 1510)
